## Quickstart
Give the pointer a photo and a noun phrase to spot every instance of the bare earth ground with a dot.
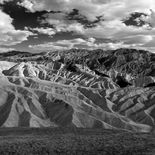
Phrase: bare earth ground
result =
(59, 141)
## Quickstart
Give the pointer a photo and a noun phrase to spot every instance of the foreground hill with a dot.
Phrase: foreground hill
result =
(78, 88)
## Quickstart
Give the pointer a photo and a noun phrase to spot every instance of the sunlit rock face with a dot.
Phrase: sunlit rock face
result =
(78, 88)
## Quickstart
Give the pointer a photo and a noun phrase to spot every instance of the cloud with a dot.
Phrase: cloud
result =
(60, 23)
(28, 4)
(135, 19)
(150, 19)
(47, 47)
(2, 1)
(116, 30)
(3, 49)
(42, 30)
(68, 22)
(138, 39)
(110, 9)
(91, 8)
(8, 34)
(112, 27)
(80, 43)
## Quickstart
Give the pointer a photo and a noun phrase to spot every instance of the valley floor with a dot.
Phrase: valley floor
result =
(61, 141)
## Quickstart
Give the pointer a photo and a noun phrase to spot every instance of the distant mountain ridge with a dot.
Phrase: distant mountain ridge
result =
(81, 88)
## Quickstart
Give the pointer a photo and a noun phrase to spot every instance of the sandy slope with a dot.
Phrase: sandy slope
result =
(37, 95)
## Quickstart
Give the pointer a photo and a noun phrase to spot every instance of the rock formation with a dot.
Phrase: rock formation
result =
(78, 88)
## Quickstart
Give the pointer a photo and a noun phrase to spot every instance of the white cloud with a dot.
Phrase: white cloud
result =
(89, 43)
(47, 47)
(28, 4)
(92, 8)
(8, 34)
(113, 12)
(61, 24)
(116, 30)
(112, 27)
(138, 39)
(75, 27)
(3, 49)
(150, 19)
(42, 30)
(2, 1)
(54, 19)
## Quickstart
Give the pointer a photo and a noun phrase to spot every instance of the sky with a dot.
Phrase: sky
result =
(48, 25)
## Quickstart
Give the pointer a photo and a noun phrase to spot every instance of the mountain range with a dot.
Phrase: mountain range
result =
(78, 88)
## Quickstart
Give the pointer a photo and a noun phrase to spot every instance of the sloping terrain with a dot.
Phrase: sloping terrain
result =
(78, 88)
(68, 141)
